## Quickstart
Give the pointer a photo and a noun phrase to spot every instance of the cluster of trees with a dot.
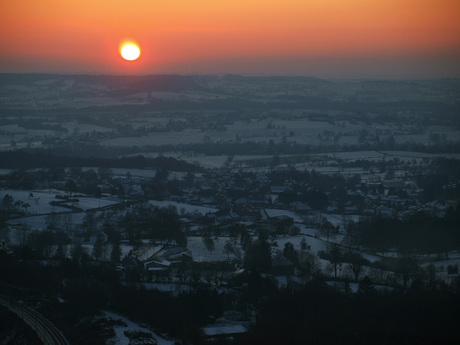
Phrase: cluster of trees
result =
(317, 190)
(440, 181)
(37, 159)
(311, 313)
(257, 256)
(88, 182)
(152, 223)
(55, 245)
(419, 233)
(15, 330)
(317, 314)
(95, 287)
(337, 256)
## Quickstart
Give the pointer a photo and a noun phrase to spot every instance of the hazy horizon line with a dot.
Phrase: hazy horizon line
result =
(262, 75)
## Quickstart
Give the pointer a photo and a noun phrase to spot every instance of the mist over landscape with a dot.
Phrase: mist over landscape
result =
(228, 209)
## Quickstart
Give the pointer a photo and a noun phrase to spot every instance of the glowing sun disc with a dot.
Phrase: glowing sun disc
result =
(130, 52)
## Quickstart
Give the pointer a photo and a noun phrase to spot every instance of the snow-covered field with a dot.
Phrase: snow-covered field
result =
(191, 136)
(39, 200)
(40, 213)
(203, 210)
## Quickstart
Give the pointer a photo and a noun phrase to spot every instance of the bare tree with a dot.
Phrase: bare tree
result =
(334, 256)
(116, 252)
(327, 229)
(209, 243)
(356, 264)
(228, 248)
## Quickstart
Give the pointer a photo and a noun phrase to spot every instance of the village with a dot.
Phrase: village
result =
(215, 210)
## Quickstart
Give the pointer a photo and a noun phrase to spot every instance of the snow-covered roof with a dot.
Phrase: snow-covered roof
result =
(224, 330)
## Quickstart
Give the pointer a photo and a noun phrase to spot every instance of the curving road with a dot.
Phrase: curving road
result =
(45, 330)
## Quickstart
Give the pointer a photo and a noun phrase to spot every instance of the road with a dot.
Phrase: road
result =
(45, 330)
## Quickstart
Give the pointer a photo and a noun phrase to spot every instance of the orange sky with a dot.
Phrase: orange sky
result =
(310, 37)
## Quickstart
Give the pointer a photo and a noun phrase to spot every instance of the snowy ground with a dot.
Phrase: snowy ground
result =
(174, 288)
(315, 244)
(272, 213)
(203, 210)
(120, 337)
(200, 253)
(40, 213)
(39, 200)
(354, 286)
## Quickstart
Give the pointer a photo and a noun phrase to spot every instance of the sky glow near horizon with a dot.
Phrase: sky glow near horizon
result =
(328, 38)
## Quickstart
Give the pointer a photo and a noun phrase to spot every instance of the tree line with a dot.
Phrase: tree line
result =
(38, 159)
(420, 233)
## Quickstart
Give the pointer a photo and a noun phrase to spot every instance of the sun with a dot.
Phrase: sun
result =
(130, 52)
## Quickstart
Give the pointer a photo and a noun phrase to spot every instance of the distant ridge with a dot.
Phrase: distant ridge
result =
(135, 83)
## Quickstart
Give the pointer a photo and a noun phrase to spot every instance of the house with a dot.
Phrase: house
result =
(241, 201)
(278, 189)
(241, 278)
(352, 209)
(223, 331)
(394, 184)
(167, 258)
(300, 207)
(384, 211)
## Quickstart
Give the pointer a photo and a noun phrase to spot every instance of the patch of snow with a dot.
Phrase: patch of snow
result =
(271, 212)
(200, 253)
(120, 337)
(203, 210)
(224, 329)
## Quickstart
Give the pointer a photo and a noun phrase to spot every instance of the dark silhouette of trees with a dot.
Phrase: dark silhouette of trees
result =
(79, 255)
(303, 316)
(327, 229)
(7, 202)
(258, 256)
(23, 160)
(290, 253)
(89, 224)
(420, 233)
(43, 242)
(452, 270)
(406, 268)
(334, 256)
(283, 225)
(366, 286)
(303, 244)
(98, 247)
(309, 265)
(356, 263)
(152, 223)
(209, 243)
(115, 254)
(229, 248)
